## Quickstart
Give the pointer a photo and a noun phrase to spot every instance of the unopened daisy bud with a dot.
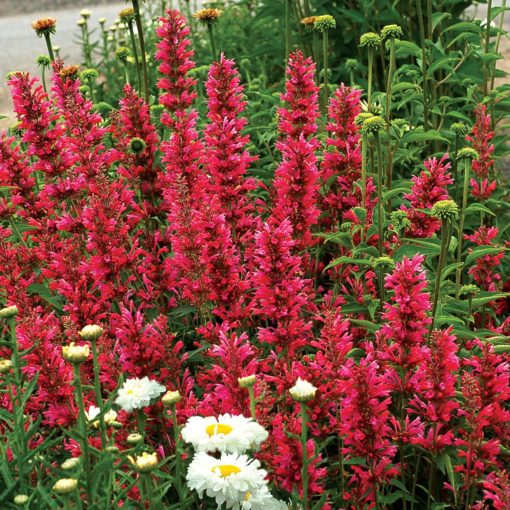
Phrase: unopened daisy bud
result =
(459, 128)
(65, 486)
(302, 391)
(248, 381)
(89, 74)
(373, 124)
(112, 29)
(43, 61)
(85, 13)
(391, 32)
(102, 21)
(70, 464)
(137, 145)
(445, 210)
(127, 15)
(115, 424)
(75, 353)
(145, 462)
(45, 26)
(8, 312)
(5, 365)
(208, 16)
(112, 449)
(361, 118)
(324, 23)
(467, 153)
(21, 499)
(469, 290)
(370, 39)
(81, 22)
(133, 439)
(352, 64)
(123, 53)
(383, 263)
(91, 332)
(170, 398)
(70, 72)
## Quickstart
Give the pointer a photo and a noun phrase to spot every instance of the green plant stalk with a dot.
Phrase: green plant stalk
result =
(443, 253)
(424, 67)
(178, 466)
(97, 390)
(47, 38)
(141, 422)
(304, 469)
(91, 90)
(370, 76)
(211, 38)
(325, 50)
(82, 429)
(487, 69)
(43, 78)
(391, 68)
(498, 41)
(139, 27)
(456, 169)
(86, 45)
(377, 139)
(288, 29)
(364, 142)
(126, 72)
(253, 411)
(135, 53)
(458, 272)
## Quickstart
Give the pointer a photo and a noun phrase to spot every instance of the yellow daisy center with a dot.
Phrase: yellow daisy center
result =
(226, 470)
(247, 496)
(218, 428)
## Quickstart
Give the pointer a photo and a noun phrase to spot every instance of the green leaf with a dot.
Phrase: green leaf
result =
(481, 251)
(348, 260)
(418, 135)
(369, 326)
(478, 208)
(55, 300)
(405, 48)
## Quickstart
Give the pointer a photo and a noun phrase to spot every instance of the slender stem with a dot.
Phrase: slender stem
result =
(389, 167)
(445, 243)
(423, 67)
(139, 27)
(178, 466)
(135, 53)
(211, 37)
(288, 29)
(325, 50)
(126, 72)
(370, 75)
(377, 139)
(458, 274)
(498, 40)
(43, 78)
(47, 38)
(253, 410)
(487, 48)
(99, 397)
(364, 142)
(304, 469)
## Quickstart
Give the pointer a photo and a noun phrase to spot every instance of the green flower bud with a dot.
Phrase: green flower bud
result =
(361, 118)
(445, 210)
(123, 53)
(467, 153)
(352, 64)
(324, 23)
(459, 128)
(469, 290)
(383, 263)
(391, 32)
(137, 146)
(370, 39)
(9, 312)
(373, 124)
(89, 74)
(43, 61)
(21, 499)
(399, 220)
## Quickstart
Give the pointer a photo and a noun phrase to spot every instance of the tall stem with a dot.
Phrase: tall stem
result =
(135, 53)
(445, 243)
(370, 75)
(458, 274)
(47, 38)
(304, 469)
(211, 38)
(379, 194)
(498, 40)
(389, 167)
(99, 397)
(486, 49)
(424, 67)
(364, 142)
(178, 467)
(325, 49)
(139, 27)
(253, 411)
(288, 29)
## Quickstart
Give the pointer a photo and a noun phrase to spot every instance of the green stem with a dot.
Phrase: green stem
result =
(135, 53)
(99, 397)
(423, 67)
(389, 167)
(178, 466)
(139, 27)
(82, 429)
(445, 243)
(43, 78)
(211, 38)
(370, 76)
(253, 410)
(379, 194)
(458, 274)
(126, 72)
(487, 48)
(364, 142)
(498, 40)
(325, 50)
(304, 469)
(288, 29)
(47, 38)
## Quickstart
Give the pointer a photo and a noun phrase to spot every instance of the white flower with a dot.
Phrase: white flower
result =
(137, 393)
(228, 480)
(227, 433)
(302, 391)
(94, 411)
(261, 500)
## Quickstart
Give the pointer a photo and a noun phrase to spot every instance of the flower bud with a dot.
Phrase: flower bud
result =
(75, 353)
(445, 210)
(91, 332)
(137, 145)
(248, 381)
(21, 499)
(391, 32)
(134, 439)
(324, 23)
(361, 118)
(5, 365)
(469, 290)
(370, 39)
(467, 153)
(383, 263)
(8, 312)
(85, 13)
(208, 16)
(170, 398)
(373, 124)
(302, 391)
(459, 128)
(89, 74)
(71, 463)
(43, 61)
(352, 64)
(65, 485)
(145, 462)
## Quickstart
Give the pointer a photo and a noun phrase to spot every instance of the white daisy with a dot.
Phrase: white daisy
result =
(227, 433)
(261, 500)
(137, 393)
(228, 479)
(94, 411)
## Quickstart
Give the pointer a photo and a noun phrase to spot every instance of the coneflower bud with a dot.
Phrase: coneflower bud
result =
(43, 61)
(91, 332)
(8, 312)
(248, 381)
(45, 26)
(123, 53)
(170, 398)
(309, 21)
(352, 64)
(127, 15)
(391, 32)
(5, 365)
(459, 128)
(208, 16)
(361, 118)
(137, 146)
(65, 486)
(89, 74)
(70, 72)
(370, 39)
(467, 153)
(383, 263)
(469, 290)
(400, 220)
(373, 124)
(445, 210)
(324, 23)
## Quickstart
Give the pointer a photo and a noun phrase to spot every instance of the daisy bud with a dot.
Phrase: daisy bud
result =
(85, 13)
(302, 391)
(468, 153)
(102, 21)
(65, 485)
(5, 365)
(324, 23)
(391, 32)
(373, 124)
(70, 464)
(21, 499)
(445, 210)
(45, 26)
(170, 398)
(81, 22)
(145, 462)
(208, 16)
(248, 381)
(137, 146)
(9, 312)
(459, 128)
(370, 39)
(134, 439)
(112, 449)
(75, 353)
(91, 332)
